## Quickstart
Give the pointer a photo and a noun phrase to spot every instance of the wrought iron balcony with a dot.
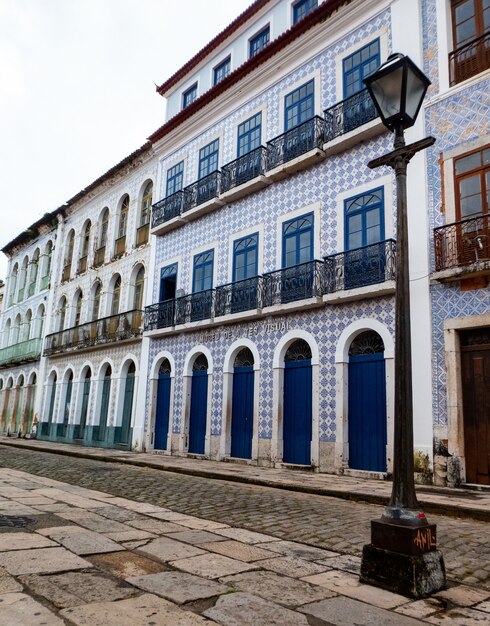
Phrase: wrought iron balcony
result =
(243, 295)
(470, 59)
(106, 330)
(194, 307)
(143, 234)
(21, 352)
(361, 267)
(119, 246)
(349, 114)
(462, 243)
(167, 209)
(293, 283)
(243, 169)
(201, 191)
(295, 142)
(160, 315)
(99, 256)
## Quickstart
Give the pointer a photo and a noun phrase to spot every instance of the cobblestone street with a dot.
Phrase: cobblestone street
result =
(326, 522)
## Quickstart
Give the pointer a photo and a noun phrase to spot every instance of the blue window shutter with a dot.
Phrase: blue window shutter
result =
(364, 219)
(245, 257)
(203, 271)
(297, 240)
(358, 66)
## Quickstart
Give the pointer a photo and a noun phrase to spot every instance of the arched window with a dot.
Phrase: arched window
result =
(138, 289)
(39, 322)
(22, 280)
(16, 330)
(103, 228)
(82, 263)
(13, 284)
(47, 265)
(33, 273)
(120, 246)
(6, 334)
(145, 211)
(200, 364)
(368, 342)
(96, 301)
(244, 358)
(116, 295)
(26, 331)
(78, 308)
(298, 351)
(70, 244)
(62, 308)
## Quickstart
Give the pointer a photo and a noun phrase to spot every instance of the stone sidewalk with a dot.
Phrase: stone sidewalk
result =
(70, 555)
(448, 501)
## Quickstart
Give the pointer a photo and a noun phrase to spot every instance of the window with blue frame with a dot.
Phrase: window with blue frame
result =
(208, 158)
(202, 278)
(245, 257)
(358, 66)
(189, 96)
(259, 41)
(302, 8)
(297, 241)
(175, 178)
(364, 219)
(299, 105)
(249, 135)
(221, 71)
(168, 282)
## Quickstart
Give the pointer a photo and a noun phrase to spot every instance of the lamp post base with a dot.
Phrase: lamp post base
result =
(403, 559)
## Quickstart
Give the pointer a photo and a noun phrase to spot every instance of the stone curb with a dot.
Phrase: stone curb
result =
(446, 508)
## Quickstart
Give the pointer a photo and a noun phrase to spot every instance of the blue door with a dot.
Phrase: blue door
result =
(297, 430)
(242, 412)
(367, 412)
(162, 410)
(199, 405)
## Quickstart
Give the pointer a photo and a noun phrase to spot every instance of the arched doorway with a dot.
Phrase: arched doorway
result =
(104, 403)
(85, 401)
(297, 412)
(46, 425)
(19, 404)
(128, 404)
(242, 405)
(163, 405)
(29, 408)
(63, 427)
(199, 405)
(367, 403)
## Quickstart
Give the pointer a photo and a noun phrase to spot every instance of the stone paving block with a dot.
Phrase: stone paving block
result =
(236, 550)
(42, 560)
(8, 584)
(146, 610)
(126, 564)
(245, 536)
(61, 495)
(483, 606)
(32, 500)
(95, 522)
(195, 536)
(243, 609)
(17, 609)
(178, 587)
(118, 514)
(348, 585)
(167, 549)
(156, 526)
(302, 551)
(276, 588)
(23, 541)
(460, 617)
(75, 588)
(212, 565)
(346, 562)
(130, 535)
(201, 524)
(292, 566)
(14, 508)
(57, 507)
(421, 608)
(341, 611)
(133, 545)
(462, 595)
(81, 541)
(167, 515)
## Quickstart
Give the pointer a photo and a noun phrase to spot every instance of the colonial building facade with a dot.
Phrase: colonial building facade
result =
(267, 269)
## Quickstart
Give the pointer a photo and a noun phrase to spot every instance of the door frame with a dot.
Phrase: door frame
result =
(152, 407)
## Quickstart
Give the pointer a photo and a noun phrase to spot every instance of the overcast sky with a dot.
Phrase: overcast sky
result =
(77, 90)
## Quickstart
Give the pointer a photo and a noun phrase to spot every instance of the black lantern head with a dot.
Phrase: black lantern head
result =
(397, 89)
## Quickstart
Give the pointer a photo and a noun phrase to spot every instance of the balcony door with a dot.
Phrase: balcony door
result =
(163, 405)
(364, 262)
(199, 406)
(471, 38)
(202, 283)
(208, 163)
(168, 285)
(356, 67)
(297, 256)
(245, 260)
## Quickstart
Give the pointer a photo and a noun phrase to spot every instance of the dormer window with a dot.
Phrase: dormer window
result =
(221, 71)
(302, 8)
(259, 41)
(189, 96)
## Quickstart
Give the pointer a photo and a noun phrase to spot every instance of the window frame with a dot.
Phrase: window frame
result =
(363, 212)
(204, 264)
(479, 22)
(171, 177)
(207, 158)
(297, 105)
(168, 271)
(300, 3)
(482, 170)
(249, 248)
(255, 38)
(296, 235)
(225, 63)
(248, 133)
(361, 65)
(185, 95)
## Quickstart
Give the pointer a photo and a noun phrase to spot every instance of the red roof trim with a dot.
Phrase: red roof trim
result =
(320, 14)
(214, 43)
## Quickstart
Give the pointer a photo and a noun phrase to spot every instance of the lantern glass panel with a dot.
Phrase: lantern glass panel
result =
(387, 90)
(415, 92)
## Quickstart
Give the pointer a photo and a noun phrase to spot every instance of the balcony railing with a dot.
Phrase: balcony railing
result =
(349, 114)
(160, 315)
(66, 273)
(99, 256)
(243, 169)
(361, 267)
(194, 307)
(167, 209)
(462, 243)
(243, 295)
(201, 191)
(295, 142)
(470, 59)
(82, 264)
(106, 330)
(143, 234)
(293, 283)
(23, 351)
(120, 246)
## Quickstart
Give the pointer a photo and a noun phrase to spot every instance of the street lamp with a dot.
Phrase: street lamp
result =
(402, 556)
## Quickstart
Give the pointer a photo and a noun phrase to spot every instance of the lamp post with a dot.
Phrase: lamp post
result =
(402, 555)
